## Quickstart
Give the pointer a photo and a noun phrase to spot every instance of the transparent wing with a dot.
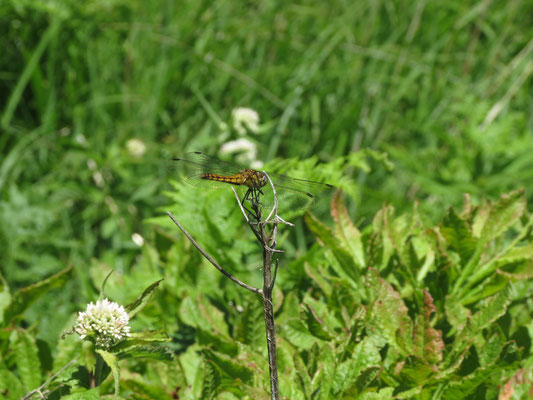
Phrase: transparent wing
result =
(190, 166)
(292, 193)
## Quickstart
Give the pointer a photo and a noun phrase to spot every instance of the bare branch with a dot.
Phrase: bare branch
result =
(275, 273)
(211, 260)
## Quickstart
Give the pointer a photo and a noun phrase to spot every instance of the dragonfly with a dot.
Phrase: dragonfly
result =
(209, 172)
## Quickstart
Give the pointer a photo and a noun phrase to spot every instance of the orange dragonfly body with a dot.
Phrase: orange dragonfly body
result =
(209, 172)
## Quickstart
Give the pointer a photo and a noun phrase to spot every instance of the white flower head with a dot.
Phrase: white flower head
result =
(104, 321)
(245, 119)
(247, 150)
(136, 147)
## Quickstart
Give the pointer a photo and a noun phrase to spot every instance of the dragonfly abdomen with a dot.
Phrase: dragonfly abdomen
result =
(232, 180)
(247, 177)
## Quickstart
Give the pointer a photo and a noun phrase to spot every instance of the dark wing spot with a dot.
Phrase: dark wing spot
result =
(197, 152)
(310, 195)
(329, 186)
(176, 159)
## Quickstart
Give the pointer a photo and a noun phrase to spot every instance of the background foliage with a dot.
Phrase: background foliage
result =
(402, 102)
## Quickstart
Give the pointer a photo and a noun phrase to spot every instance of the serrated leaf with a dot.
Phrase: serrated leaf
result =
(112, 362)
(158, 353)
(382, 394)
(491, 348)
(248, 328)
(303, 375)
(5, 298)
(211, 381)
(427, 341)
(388, 314)
(10, 385)
(492, 309)
(137, 305)
(220, 343)
(508, 358)
(83, 394)
(501, 215)
(346, 231)
(458, 234)
(414, 371)
(26, 356)
(515, 255)
(141, 390)
(229, 367)
(346, 263)
(366, 377)
(324, 378)
(314, 323)
(297, 333)
(25, 297)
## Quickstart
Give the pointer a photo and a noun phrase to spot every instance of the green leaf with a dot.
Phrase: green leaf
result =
(515, 255)
(297, 333)
(248, 328)
(346, 231)
(211, 382)
(314, 323)
(366, 377)
(26, 356)
(489, 311)
(25, 297)
(112, 362)
(427, 341)
(458, 234)
(346, 263)
(5, 297)
(10, 385)
(382, 394)
(462, 389)
(158, 353)
(229, 367)
(415, 371)
(500, 216)
(83, 394)
(388, 315)
(492, 309)
(142, 390)
(223, 344)
(202, 314)
(137, 305)
(303, 374)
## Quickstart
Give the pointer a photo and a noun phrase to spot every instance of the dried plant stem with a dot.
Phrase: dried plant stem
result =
(268, 308)
(267, 239)
(211, 260)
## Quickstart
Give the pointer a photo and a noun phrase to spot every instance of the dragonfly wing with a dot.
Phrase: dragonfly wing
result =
(308, 188)
(200, 163)
(191, 166)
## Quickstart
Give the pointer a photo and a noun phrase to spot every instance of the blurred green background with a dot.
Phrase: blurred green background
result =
(400, 102)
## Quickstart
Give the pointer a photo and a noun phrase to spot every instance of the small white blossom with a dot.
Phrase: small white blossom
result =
(81, 139)
(239, 145)
(137, 239)
(245, 118)
(136, 147)
(247, 149)
(105, 321)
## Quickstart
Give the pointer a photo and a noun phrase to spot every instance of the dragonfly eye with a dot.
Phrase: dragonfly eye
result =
(264, 180)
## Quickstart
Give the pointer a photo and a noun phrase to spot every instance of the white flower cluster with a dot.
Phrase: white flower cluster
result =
(245, 118)
(105, 321)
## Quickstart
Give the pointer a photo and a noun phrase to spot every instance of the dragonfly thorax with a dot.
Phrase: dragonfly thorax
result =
(253, 179)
